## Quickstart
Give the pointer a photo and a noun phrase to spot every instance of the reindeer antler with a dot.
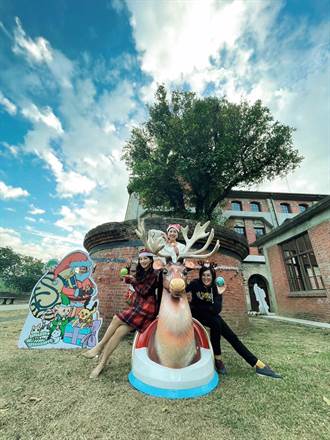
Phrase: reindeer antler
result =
(199, 232)
(154, 243)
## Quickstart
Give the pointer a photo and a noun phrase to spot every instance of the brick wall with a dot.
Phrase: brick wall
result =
(314, 307)
(112, 290)
(251, 236)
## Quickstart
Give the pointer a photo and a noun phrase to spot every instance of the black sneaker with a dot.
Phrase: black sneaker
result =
(267, 371)
(220, 366)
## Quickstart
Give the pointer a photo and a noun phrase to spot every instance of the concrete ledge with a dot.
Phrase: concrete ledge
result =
(9, 307)
(308, 294)
(296, 321)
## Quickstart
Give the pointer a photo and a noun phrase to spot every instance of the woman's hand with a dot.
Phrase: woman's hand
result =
(129, 279)
(221, 289)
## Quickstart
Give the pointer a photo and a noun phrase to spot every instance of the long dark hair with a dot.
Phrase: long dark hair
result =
(140, 272)
(213, 274)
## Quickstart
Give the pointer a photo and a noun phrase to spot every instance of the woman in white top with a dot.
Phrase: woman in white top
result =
(172, 248)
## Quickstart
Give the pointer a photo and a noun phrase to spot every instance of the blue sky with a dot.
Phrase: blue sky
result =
(76, 76)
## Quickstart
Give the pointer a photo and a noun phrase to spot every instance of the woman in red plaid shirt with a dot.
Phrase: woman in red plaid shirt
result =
(137, 317)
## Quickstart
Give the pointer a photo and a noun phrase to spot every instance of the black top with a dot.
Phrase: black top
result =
(204, 299)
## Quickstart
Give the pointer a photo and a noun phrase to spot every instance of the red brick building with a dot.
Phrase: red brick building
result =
(252, 214)
(297, 255)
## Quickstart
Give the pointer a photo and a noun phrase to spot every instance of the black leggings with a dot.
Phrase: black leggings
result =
(218, 328)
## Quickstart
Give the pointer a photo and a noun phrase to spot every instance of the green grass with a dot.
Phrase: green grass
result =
(47, 394)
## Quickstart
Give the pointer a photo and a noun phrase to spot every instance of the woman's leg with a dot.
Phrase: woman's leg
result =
(214, 323)
(111, 345)
(238, 346)
(114, 325)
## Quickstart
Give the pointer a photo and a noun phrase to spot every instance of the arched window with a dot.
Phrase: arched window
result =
(255, 206)
(302, 207)
(285, 208)
(236, 205)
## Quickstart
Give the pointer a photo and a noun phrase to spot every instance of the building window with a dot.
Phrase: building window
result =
(302, 269)
(236, 206)
(302, 207)
(285, 208)
(239, 230)
(259, 231)
(255, 206)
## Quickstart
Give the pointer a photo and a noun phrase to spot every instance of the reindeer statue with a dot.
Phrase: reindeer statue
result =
(173, 341)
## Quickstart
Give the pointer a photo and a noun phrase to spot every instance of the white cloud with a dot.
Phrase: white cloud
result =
(4, 30)
(9, 106)
(38, 50)
(178, 38)
(93, 212)
(12, 148)
(10, 192)
(36, 211)
(68, 183)
(45, 246)
(30, 219)
(10, 237)
(38, 140)
(117, 5)
(45, 115)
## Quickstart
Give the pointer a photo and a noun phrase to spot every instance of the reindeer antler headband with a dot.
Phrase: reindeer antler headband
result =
(157, 244)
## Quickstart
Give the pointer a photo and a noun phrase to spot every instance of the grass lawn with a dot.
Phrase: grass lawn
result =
(47, 394)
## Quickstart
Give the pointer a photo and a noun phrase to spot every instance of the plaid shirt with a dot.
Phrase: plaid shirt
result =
(144, 308)
(148, 285)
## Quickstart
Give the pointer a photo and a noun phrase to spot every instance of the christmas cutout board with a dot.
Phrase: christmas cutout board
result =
(63, 307)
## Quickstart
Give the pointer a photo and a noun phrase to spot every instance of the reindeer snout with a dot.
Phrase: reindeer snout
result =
(177, 285)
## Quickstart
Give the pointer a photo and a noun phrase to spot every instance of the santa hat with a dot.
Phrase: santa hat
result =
(73, 260)
(175, 226)
(145, 253)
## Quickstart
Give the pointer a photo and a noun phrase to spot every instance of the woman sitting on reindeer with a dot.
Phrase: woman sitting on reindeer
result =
(137, 317)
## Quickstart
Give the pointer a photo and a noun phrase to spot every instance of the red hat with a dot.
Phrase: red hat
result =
(74, 259)
(145, 253)
(175, 226)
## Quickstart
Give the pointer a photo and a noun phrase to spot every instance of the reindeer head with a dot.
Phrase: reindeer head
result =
(174, 275)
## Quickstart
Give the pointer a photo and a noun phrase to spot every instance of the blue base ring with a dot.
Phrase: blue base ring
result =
(173, 394)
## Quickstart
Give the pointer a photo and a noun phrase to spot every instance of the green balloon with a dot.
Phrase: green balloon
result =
(123, 272)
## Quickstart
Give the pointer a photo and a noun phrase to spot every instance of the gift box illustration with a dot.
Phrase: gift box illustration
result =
(83, 337)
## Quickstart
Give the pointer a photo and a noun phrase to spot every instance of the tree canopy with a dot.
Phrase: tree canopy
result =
(192, 151)
(19, 272)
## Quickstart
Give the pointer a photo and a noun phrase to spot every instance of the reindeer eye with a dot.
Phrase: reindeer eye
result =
(184, 272)
(165, 271)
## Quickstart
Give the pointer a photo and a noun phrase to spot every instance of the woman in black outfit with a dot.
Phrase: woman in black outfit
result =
(206, 304)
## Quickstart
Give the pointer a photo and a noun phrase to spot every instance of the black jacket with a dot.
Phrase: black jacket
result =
(204, 299)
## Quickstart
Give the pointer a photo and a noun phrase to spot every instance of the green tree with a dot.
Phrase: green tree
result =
(192, 151)
(19, 272)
